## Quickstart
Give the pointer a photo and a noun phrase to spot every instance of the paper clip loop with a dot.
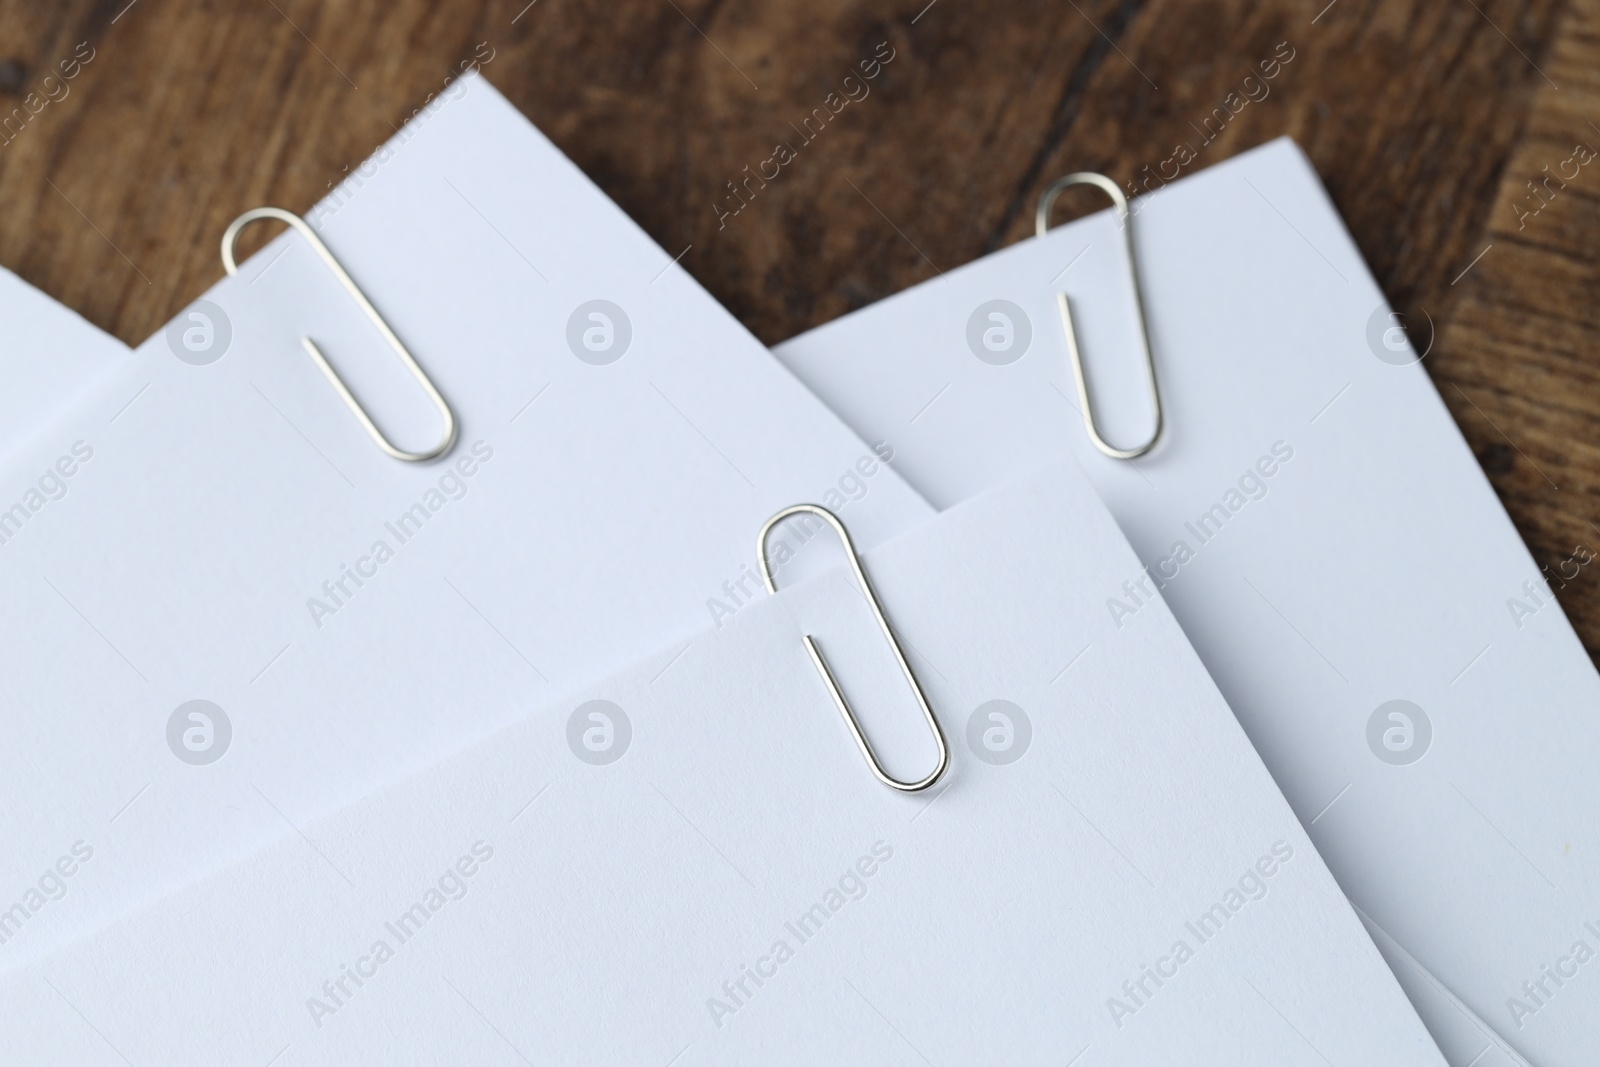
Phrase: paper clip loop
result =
(883, 625)
(231, 237)
(1042, 226)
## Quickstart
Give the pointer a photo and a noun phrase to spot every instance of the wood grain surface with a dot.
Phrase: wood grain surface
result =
(1427, 120)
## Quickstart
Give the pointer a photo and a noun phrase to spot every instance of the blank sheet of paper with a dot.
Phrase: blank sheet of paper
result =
(49, 358)
(690, 863)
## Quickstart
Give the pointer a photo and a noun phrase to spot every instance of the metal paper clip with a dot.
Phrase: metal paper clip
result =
(894, 646)
(231, 237)
(1042, 226)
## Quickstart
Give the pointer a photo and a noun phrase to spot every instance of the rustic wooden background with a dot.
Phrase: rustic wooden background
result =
(1426, 118)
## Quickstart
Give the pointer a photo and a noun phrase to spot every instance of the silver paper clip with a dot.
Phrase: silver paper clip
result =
(883, 625)
(1042, 226)
(231, 237)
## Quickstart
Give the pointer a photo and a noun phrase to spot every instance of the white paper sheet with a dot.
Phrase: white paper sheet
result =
(732, 886)
(224, 531)
(1341, 550)
(49, 358)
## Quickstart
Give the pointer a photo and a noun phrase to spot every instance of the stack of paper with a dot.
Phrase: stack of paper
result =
(1328, 543)
(737, 889)
(253, 635)
(232, 536)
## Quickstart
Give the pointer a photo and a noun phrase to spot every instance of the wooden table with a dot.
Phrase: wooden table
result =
(1433, 123)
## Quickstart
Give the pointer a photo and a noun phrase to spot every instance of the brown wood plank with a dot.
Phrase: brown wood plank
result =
(1516, 361)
